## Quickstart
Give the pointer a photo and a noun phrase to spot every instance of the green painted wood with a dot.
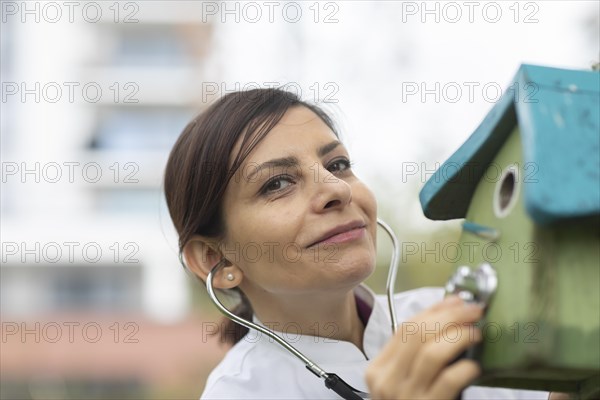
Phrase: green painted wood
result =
(542, 327)
(574, 258)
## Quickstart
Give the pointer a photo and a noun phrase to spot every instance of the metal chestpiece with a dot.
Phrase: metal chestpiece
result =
(473, 285)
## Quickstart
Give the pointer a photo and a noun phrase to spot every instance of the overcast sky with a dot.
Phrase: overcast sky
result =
(378, 56)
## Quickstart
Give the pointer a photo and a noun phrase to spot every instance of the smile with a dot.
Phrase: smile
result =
(344, 237)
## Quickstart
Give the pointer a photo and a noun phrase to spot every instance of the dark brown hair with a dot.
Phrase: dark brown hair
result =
(198, 172)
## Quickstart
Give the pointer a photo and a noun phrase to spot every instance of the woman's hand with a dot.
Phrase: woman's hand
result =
(559, 396)
(416, 363)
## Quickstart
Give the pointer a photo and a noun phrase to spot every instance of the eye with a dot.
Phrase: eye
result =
(276, 184)
(339, 165)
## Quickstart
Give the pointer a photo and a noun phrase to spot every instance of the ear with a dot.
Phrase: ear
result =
(201, 254)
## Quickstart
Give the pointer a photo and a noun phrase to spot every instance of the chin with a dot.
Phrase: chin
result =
(356, 266)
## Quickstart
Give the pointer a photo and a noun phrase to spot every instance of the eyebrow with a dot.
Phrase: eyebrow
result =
(328, 148)
(277, 162)
(288, 162)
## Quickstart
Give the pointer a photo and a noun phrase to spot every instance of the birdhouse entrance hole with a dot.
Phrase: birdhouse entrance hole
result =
(506, 190)
(506, 193)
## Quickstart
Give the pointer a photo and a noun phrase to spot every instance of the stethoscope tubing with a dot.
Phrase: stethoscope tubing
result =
(392, 272)
(314, 368)
(332, 381)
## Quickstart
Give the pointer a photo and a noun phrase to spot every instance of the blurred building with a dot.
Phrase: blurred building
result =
(94, 301)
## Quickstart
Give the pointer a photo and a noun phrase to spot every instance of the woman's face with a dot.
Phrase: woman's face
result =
(297, 219)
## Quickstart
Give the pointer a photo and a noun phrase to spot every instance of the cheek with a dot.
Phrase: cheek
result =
(259, 235)
(365, 199)
(280, 229)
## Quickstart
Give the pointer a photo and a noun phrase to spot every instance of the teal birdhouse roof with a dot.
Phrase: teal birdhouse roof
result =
(558, 115)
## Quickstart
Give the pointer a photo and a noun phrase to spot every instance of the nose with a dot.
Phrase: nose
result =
(331, 192)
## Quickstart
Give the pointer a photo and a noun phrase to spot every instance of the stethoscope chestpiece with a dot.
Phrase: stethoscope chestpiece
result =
(474, 285)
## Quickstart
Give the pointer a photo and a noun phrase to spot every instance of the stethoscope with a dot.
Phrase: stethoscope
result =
(332, 381)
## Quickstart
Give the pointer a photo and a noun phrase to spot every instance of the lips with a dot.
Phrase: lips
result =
(340, 233)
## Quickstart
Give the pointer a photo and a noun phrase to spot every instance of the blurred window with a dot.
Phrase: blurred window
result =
(128, 201)
(105, 288)
(140, 128)
(153, 45)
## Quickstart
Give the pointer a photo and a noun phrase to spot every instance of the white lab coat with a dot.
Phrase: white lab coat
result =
(259, 368)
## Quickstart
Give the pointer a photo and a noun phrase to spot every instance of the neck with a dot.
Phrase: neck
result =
(330, 315)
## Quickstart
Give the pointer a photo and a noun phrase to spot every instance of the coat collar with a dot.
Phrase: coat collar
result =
(318, 344)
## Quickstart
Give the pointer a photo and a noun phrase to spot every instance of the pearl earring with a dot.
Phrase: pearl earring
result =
(230, 277)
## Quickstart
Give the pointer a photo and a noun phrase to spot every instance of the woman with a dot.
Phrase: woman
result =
(261, 184)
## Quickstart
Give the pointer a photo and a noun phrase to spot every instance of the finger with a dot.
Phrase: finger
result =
(388, 373)
(458, 313)
(389, 367)
(448, 385)
(395, 363)
(383, 381)
(559, 396)
(454, 379)
(400, 351)
(428, 327)
(439, 312)
(387, 379)
(448, 301)
(435, 356)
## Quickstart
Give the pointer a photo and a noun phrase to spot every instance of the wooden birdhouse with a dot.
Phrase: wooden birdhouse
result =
(527, 183)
